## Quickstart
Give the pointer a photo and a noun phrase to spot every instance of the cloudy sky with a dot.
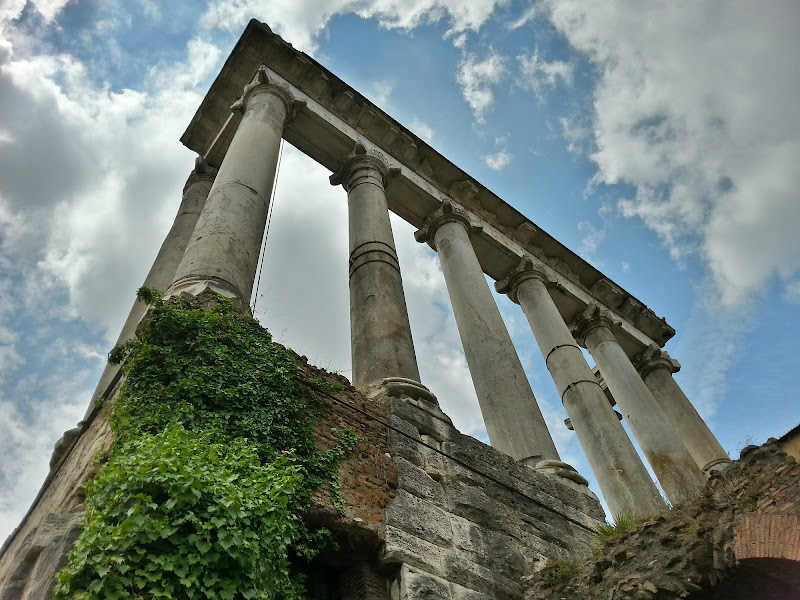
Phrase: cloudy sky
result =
(660, 141)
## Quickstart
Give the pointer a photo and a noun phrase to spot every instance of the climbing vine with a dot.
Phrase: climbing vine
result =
(212, 468)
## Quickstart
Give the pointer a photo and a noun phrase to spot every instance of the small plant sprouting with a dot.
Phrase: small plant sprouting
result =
(622, 522)
(561, 571)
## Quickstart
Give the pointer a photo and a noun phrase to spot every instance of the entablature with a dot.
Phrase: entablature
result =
(335, 117)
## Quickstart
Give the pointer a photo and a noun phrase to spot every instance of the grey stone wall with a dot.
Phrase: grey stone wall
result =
(468, 522)
(429, 513)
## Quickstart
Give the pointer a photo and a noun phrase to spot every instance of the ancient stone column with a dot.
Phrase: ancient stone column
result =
(622, 476)
(380, 332)
(671, 462)
(513, 420)
(223, 252)
(168, 258)
(656, 368)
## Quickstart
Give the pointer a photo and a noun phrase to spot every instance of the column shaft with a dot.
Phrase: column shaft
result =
(169, 256)
(623, 478)
(673, 465)
(513, 420)
(381, 341)
(698, 438)
(223, 252)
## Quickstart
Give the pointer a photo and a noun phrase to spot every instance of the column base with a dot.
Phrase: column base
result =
(409, 391)
(197, 286)
(565, 474)
(719, 464)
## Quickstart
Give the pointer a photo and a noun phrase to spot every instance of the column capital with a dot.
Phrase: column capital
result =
(590, 319)
(363, 166)
(653, 358)
(526, 269)
(262, 83)
(202, 171)
(448, 212)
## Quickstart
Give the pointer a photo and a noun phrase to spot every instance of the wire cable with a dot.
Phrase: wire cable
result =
(270, 210)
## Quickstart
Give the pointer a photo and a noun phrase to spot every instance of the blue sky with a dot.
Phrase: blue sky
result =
(660, 141)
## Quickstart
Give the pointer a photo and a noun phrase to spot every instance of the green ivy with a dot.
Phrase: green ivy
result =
(213, 466)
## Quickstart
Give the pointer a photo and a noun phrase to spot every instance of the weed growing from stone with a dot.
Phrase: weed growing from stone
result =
(562, 571)
(622, 522)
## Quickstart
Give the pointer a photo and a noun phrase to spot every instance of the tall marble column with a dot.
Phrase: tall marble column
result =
(169, 256)
(223, 252)
(656, 368)
(513, 420)
(381, 342)
(623, 478)
(673, 465)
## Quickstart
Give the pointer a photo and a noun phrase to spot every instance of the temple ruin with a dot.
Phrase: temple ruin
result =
(459, 519)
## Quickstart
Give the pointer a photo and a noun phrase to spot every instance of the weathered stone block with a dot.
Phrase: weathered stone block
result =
(433, 460)
(405, 446)
(416, 585)
(459, 592)
(457, 567)
(416, 481)
(424, 422)
(471, 503)
(506, 555)
(467, 535)
(420, 518)
(403, 547)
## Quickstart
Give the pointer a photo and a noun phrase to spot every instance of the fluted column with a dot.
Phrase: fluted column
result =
(656, 368)
(223, 252)
(381, 342)
(673, 465)
(169, 256)
(513, 420)
(623, 478)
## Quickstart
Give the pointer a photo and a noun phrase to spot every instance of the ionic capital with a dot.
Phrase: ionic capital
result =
(653, 358)
(525, 270)
(590, 319)
(262, 83)
(448, 212)
(202, 172)
(364, 166)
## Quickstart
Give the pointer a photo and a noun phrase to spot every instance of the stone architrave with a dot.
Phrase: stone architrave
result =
(656, 368)
(622, 476)
(162, 273)
(223, 252)
(380, 333)
(513, 419)
(674, 467)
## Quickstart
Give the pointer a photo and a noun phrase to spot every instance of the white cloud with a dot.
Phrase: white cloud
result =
(538, 75)
(497, 161)
(300, 21)
(694, 108)
(12, 9)
(500, 159)
(791, 292)
(526, 17)
(593, 236)
(578, 135)
(33, 419)
(711, 342)
(422, 129)
(380, 91)
(477, 77)
(114, 171)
